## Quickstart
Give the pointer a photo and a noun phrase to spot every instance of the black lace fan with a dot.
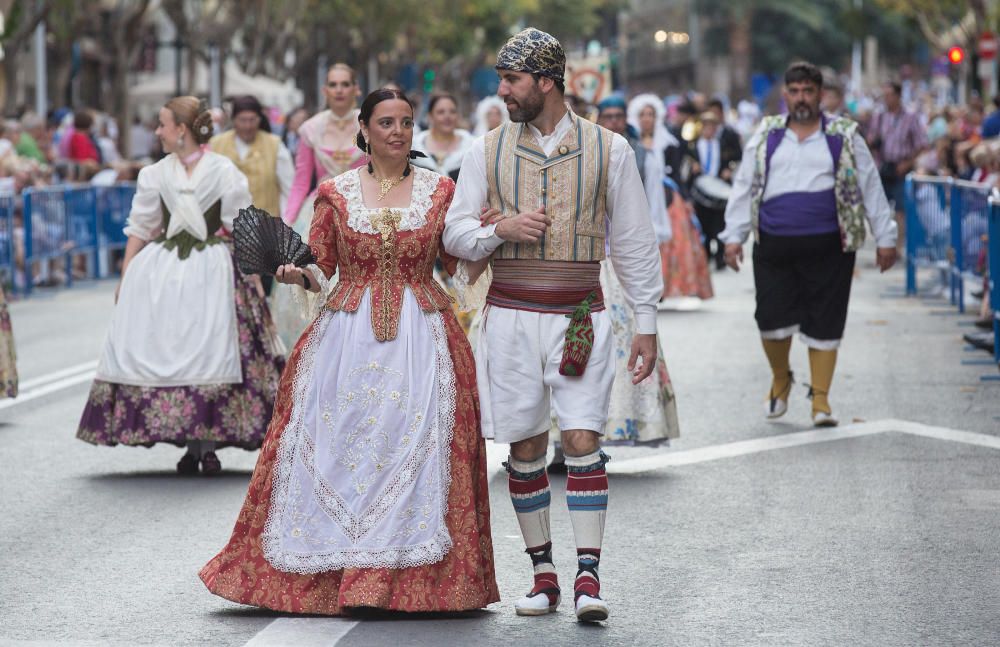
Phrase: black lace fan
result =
(264, 243)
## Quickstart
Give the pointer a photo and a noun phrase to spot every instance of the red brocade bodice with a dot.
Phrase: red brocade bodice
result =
(385, 251)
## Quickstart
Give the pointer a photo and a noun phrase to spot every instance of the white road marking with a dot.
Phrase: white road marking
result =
(307, 632)
(303, 632)
(48, 388)
(796, 439)
(27, 385)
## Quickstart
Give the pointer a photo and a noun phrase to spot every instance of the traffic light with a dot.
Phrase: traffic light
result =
(956, 55)
(428, 80)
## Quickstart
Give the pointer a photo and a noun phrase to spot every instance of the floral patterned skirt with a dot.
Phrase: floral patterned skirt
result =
(685, 265)
(231, 415)
(8, 358)
(463, 580)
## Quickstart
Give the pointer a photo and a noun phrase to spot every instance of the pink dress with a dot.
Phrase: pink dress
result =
(312, 159)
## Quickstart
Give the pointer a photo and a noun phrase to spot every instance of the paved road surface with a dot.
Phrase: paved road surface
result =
(883, 532)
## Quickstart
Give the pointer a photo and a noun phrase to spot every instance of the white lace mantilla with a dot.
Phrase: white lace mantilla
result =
(412, 217)
(363, 468)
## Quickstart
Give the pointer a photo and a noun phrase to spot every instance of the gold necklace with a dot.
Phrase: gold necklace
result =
(387, 184)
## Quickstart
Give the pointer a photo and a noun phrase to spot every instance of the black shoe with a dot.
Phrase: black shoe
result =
(210, 464)
(986, 323)
(981, 340)
(188, 464)
(978, 294)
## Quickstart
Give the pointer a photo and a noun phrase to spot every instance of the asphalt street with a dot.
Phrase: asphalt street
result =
(882, 532)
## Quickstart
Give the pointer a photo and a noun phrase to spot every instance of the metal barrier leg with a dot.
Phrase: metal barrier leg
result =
(910, 207)
(955, 208)
(29, 280)
(993, 266)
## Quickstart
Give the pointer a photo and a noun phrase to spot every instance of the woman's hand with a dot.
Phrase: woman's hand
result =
(291, 275)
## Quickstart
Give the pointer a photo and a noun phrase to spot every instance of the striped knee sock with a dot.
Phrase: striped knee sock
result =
(587, 498)
(530, 494)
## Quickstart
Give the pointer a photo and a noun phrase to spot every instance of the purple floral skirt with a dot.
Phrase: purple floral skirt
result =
(231, 415)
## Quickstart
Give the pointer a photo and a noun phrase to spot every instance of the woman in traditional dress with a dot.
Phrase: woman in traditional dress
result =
(8, 356)
(326, 148)
(685, 264)
(371, 488)
(187, 359)
(645, 115)
(444, 146)
(685, 271)
(444, 143)
(491, 112)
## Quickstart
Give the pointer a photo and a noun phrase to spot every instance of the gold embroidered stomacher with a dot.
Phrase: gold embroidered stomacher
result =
(387, 263)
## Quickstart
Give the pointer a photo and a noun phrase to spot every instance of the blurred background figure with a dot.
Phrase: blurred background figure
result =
(491, 112)
(443, 143)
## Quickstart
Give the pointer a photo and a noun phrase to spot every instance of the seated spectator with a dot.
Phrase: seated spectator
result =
(33, 134)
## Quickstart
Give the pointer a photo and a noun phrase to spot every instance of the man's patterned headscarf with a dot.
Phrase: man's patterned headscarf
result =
(535, 52)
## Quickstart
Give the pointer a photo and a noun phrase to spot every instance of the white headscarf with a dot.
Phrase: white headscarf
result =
(661, 136)
(484, 106)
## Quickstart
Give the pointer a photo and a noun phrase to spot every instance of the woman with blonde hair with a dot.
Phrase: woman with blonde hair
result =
(187, 359)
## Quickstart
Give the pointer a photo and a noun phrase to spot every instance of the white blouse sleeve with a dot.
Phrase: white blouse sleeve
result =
(235, 194)
(146, 217)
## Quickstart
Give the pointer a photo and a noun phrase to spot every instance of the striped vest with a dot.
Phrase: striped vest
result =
(571, 185)
(259, 166)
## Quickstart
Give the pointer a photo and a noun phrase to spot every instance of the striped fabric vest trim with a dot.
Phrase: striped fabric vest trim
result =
(571, 184)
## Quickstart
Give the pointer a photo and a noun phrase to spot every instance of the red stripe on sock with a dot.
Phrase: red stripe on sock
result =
(587, 585)
(517, 486)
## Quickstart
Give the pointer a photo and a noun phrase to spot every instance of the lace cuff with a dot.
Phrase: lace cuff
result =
(310, 303)
(471, 297)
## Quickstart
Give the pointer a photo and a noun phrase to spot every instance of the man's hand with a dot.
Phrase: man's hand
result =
(643, 346)
(525, 227)
(734, 255)
(885, 257)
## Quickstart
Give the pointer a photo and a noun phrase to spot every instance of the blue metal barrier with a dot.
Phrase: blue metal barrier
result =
(969, 217)
(927, 205)
(993, 266)
(63, 222)
(113, 205)
(7, 260)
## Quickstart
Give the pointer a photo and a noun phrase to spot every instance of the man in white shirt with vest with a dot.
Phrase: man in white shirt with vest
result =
(562, 188)
(805, 188)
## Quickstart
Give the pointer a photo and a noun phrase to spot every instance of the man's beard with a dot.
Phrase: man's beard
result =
(528, 109)
(804, 113)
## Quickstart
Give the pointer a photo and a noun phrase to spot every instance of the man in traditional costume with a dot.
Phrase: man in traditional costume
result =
(805, 188)
(565, 188)
(258, 154)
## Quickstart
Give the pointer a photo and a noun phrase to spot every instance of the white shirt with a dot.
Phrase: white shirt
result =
(806, 166)
(634, 252)
(710, 155)
(284, 168)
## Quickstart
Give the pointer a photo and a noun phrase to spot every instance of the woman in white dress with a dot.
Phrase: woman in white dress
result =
(444, 143)
(188, 359)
